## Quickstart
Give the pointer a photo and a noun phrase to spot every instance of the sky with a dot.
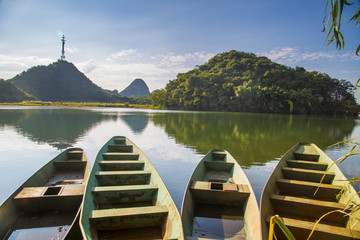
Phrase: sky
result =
(114, 42)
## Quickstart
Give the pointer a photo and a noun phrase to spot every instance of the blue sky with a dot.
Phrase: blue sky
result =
(114, 42)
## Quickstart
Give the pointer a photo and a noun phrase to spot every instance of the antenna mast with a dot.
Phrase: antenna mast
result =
(63, 49)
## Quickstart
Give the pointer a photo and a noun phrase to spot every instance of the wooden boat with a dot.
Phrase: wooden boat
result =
(46, 206)
(219, 202)
(126, 198)
(290, 190)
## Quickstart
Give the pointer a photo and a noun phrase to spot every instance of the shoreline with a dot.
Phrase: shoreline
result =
(80, 104)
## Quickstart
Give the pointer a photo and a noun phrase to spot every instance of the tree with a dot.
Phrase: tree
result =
(333, 19)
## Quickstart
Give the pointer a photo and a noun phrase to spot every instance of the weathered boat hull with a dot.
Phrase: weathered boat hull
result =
(126, 198)
(47, 205)
(219, 190)
(290, 191)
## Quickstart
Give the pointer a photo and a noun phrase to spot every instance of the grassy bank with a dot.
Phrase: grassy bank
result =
(81, 104)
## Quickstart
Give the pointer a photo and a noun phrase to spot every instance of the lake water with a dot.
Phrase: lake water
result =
(175, 141)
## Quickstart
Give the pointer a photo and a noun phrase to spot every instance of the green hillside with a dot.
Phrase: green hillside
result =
(62, 81)
(243, 82)
(137, 88)
(10, 93)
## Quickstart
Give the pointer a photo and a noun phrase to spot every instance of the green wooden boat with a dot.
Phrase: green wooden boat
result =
(46, 206)
(290, 190)
(125, 197)
(219, 202)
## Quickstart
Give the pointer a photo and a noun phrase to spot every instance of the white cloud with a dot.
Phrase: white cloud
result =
(71, 49)
(171, 59)
(155, 70)
(127, 54)
(59, 33)
(88, 66)
(291, 55)
(12, 65)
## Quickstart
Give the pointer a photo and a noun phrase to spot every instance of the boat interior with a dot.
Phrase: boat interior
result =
(292, 197)
(47, 204)
(127, 199)
(217, 199)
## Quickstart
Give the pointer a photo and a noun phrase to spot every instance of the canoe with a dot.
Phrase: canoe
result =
(47, 205)
(219, 202)
(290, 190)
(126, 198)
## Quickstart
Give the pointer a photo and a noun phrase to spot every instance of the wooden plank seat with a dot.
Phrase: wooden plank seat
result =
(219, 193)
(34, 192)
(119, 141)
(219, 166)
(307, 175)
(70, 164)
(120, 148)
(301, 230)
(37, 199)
(127, 193)
(110, 178)
(306, 157)
(74, 155)
(218, 156)
(307, 165)
(121, 165)
(120, 156)
(122, 218)
(326, 192)
(311, 208)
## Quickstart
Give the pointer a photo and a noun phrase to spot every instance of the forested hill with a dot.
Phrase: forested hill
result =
(244, 82)
(62, 81)
(11, 93)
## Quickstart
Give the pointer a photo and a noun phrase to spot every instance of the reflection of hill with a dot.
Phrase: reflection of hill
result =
(57, 127)
(251, 138)
(136, 121)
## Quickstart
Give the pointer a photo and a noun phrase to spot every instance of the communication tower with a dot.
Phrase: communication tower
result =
(63, 48)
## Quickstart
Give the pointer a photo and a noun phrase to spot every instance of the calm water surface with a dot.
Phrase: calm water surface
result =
(174, 141)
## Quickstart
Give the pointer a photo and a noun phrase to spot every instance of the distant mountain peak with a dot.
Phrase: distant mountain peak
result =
(137, 88)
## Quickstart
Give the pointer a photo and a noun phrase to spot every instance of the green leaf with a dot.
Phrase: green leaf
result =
(335, 12)
(283, 228)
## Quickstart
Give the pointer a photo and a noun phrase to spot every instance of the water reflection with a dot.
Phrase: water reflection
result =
(58, 127)
(251, 138)
(136, 121)
(174, 141)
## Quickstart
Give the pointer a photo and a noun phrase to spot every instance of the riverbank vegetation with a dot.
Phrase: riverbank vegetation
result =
(243, 82)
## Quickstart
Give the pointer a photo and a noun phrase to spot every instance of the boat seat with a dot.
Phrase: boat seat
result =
(306, 157)
(120, 141)
(301, 230)
(310, 208)
(111, 178)
(122, 218)
(120, 156)
(74, 154)
(70, 164)
(127, 193)
(307, 175)
(219, 166)
(121, 165)
(47, 198)
(307, 165)
(120, 148)
(326, 192)
(219, 193)
(33, 192)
